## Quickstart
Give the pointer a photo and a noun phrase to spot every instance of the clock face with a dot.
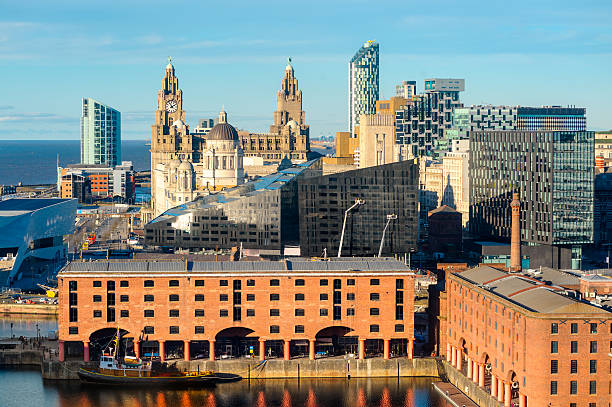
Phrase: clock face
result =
(171, 106)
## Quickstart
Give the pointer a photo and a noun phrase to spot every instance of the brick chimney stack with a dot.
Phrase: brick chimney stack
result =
(515, 238)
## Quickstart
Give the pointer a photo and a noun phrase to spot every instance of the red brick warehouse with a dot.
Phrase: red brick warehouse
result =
(260, 309)
(525, 342)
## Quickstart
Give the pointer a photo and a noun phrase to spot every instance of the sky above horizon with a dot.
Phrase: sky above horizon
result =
(234, 53)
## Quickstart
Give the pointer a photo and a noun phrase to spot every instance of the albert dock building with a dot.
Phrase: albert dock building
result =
(289, 308)
(526, 342)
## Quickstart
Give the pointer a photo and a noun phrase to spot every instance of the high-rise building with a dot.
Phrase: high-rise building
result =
(406, 89)
(488, 117)
(363, 84)
(553, 173)
(100, 134)
(551, 118)
(425, 117)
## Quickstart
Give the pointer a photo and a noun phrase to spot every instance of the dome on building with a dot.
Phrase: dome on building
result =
(178, 123)
(223, 131)
(293, 124)
(185, 166)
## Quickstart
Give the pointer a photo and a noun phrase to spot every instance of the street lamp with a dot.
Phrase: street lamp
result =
(357, 203)
(382, 240)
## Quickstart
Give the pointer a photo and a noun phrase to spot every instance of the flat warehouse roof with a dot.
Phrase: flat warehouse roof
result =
(294, 265)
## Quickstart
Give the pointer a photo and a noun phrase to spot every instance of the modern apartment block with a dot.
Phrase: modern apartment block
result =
(288, 308)
(383, 190)
(363, 84)
(406, 89)
(553, 173)
(100, 134)
(91, 182)
(425, 118)
(524, 342)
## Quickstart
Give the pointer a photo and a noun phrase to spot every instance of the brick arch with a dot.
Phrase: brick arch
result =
(334, 330)
(107, 331)
(235, 331)
(485, 358)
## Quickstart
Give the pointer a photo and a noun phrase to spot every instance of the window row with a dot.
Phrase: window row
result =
(573, 387)
(554, 347)
(110, 285)
(554, 366)
(554, 328)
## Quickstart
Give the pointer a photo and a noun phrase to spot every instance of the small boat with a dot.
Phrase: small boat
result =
(132, 371)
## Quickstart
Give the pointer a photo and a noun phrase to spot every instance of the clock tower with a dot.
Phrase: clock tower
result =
(170, 138)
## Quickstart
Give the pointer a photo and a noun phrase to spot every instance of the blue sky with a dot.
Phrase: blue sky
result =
(233, 53)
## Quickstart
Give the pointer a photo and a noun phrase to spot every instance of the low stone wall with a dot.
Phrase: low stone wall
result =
(54, 370)
(277, 369)
(479, 395)
(21, 358)
(304, 368)
(38, 309)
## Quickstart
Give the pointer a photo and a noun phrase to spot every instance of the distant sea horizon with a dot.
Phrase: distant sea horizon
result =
(33, 162)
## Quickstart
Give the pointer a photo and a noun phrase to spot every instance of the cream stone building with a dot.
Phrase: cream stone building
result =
(289, 136)
(185, 165)
(447, 182)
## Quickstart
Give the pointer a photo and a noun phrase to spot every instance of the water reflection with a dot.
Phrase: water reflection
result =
(263, 393)
(26, 325)
(28, 385)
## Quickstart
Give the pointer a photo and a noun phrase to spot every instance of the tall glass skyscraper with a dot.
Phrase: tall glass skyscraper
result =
(100, 134)
(363, 83)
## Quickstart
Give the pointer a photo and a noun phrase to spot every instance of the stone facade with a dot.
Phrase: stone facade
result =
(217, 164)
(289, 135)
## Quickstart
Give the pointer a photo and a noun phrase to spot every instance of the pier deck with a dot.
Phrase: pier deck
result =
(453, 395)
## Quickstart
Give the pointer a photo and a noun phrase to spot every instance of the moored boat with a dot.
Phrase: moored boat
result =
(133, 371)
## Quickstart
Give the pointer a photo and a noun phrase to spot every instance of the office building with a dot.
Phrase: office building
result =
(390, 189)
(376, 138)
(88, 183)
(525, 342)
(488, 117)
(551, 118)
(425, 118)
(553, 173)
(100, 134)
(261, 309)
(363, 84)
(260, 215)
(32, 234)
(204, 126)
